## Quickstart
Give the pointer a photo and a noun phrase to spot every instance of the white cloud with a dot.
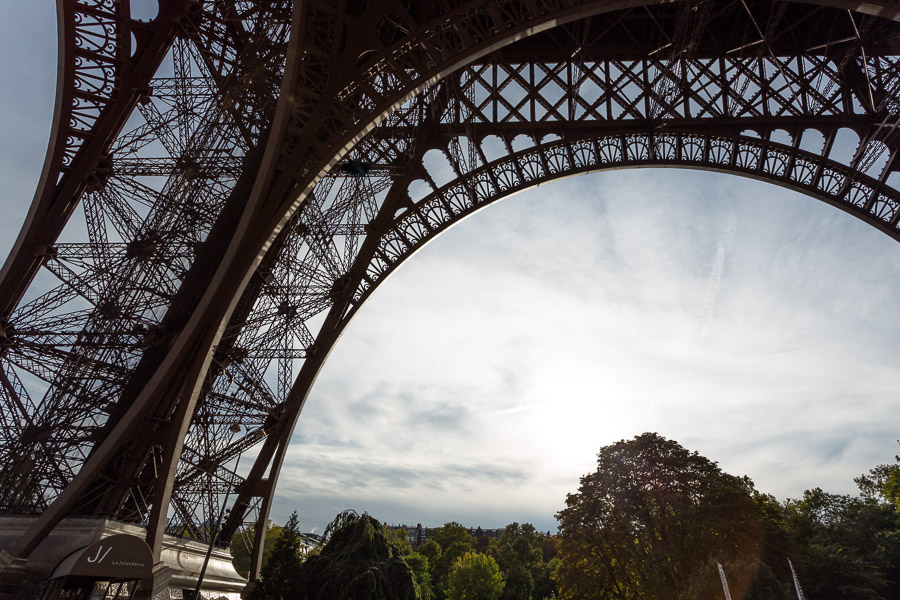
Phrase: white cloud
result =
(753, 325)
(729, 315)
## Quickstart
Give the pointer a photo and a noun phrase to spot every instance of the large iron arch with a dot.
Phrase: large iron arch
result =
(408, 228)
(406, 231)
(317, 209)
(774, 163)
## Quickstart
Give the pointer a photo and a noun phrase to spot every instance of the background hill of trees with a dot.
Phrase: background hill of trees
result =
(653, 521)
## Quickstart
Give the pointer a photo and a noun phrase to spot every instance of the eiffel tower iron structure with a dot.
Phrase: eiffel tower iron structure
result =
(228, 182)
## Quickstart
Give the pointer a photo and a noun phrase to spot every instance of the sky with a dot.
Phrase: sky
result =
(752, 324)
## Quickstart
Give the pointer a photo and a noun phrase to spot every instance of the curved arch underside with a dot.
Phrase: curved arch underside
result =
(782, 165)
(229, 242)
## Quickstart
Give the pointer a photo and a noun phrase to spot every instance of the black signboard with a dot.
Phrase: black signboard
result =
(119, 556)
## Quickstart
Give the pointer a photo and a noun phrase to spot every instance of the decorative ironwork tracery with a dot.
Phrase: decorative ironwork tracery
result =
(341, 201)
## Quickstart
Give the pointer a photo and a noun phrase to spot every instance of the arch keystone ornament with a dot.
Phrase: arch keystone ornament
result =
(240, 176)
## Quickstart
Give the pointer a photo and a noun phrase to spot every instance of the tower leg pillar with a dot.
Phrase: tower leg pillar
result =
(13, 573)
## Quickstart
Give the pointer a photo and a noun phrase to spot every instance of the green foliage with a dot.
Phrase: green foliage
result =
(451, 533)
(846, 546)
(518, 552)
(837, 570)
(399, 538)
(654, 520)
(777, 545)
(420, 568)
(882, 482)
(519, 583)
(520, 544)
(280, 573)
(475, 577)
(765, 585)
(650, 516)
(548, 548)
(748, 579)
(441, 572)
(545, 583)
(430, 550)
(356, 563)
(242, 545)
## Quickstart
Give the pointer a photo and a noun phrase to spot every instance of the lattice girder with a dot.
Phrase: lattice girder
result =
(243, 290)
(581, 149)
(146, 220)
(764, 112)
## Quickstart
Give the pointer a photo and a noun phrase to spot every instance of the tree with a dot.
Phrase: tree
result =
(882, 482)
(399, 538)
(356, 563)
(440, 573)
(475, 577)
(777, 544)
(430, 550)
(650, 516)
(838, 571)
(451, 532)
(748, 579)
(280, 573)
(454, 541)
(242, 545)
(545, 584)
(845, 545)
(518, 552)
(418, 564)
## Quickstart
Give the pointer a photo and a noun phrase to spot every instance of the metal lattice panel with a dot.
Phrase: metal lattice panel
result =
(221, 244)
(164, 183)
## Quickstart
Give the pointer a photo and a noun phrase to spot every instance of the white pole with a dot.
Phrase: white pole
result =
(724, 581)
(796, 581)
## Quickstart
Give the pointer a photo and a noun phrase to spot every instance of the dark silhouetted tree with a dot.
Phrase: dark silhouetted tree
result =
(279, 575)
(418, 563)
(356, 563)
(748, 579)
(846, 546)
(650, 516)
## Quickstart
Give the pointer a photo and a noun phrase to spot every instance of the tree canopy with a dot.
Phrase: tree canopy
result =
(283, 566)
(475, 577)
(450, 533)
(356, 563)
(653, 522)
(648, 518)
(655, 519)
(518, 552)
(242, 544)
(453, 540)
(845, 546)
(882, 482)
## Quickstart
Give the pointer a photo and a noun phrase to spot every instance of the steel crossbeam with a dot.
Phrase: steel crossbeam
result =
(218, 203)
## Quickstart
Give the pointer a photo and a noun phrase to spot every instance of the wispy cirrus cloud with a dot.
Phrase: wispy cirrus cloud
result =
(751, 324)
(746, 322)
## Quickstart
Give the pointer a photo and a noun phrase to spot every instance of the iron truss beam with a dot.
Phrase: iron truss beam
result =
(225, 244)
